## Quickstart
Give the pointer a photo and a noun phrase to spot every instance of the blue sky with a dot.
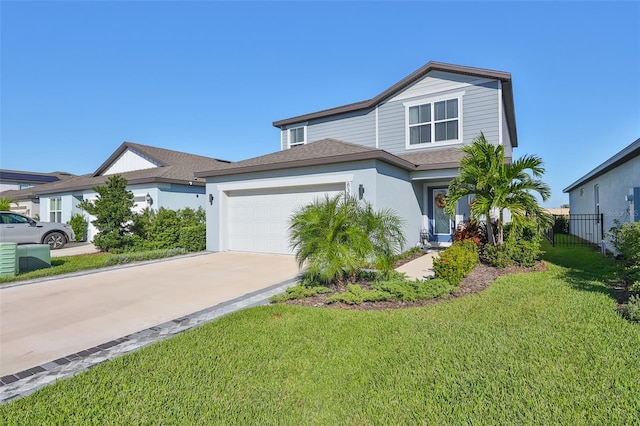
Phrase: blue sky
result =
(79, 78)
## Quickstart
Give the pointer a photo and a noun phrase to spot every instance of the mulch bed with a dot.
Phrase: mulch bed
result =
(479, 279)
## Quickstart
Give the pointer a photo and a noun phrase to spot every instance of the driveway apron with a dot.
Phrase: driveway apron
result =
(47, 320)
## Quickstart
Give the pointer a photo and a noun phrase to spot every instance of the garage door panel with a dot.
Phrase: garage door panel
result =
(259, 219)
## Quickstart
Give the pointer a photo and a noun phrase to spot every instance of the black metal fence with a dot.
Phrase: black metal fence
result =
(576, 230)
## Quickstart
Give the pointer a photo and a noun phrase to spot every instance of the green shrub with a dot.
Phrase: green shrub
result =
(632, 309)
(166, 229)
(456, 262)
(79, 225)
(299, 292)
(560, 224)
(409, 291)
(498, 256)
(193, 238)
(355, 295)
(521, 247)
(513, 252)
(124, 258)
(625, 238)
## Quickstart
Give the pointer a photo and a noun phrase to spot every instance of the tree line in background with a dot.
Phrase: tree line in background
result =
(122, 230)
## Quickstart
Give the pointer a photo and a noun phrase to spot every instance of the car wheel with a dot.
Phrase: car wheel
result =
(55, 240)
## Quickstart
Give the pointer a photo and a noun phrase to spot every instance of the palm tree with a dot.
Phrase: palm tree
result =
(499, 186)
(6, 202)
(336, 236)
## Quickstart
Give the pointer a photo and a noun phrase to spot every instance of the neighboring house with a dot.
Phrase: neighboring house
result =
(558, 211)
(611, 189)
(157, 177)
(13, 181)
(398, 150)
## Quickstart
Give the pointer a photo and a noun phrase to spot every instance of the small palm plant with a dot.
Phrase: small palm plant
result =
(6, 202)
(336, 237)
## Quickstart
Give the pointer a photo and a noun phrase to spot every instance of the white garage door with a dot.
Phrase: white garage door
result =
(259, 219)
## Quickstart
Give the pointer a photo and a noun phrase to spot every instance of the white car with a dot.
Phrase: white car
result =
(17, 228)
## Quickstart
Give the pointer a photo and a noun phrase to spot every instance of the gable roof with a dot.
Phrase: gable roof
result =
(162, 157)
(332, 151)
(621, 157)
(504, 77)
(174, 167)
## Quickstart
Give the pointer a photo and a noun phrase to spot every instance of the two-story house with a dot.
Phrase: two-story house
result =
(398, 150)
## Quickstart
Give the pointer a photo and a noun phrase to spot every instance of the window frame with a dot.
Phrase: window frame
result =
(290, 130)
(432, 101)
(56, 212)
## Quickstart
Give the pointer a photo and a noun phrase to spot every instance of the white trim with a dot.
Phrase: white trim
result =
(431, 92)
(432, 100)
(500, 140)
(282, 183)
(377, 135)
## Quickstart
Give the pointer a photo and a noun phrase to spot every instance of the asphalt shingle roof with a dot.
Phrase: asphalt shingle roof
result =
(331, 151)
(174, 167)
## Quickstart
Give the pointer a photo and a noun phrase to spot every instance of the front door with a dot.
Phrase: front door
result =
(440, 225)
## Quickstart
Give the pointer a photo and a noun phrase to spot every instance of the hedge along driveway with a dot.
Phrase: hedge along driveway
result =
(44, 321)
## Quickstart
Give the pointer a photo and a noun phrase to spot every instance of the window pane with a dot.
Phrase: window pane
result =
(425, 113)
(426, 133)
(441, 132)
(414, 115)
(414, 135)
(297, 135)
(439, 111)
(452, 129)
(452, 108)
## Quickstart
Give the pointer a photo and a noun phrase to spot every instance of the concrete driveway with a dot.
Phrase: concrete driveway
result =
(44, 321)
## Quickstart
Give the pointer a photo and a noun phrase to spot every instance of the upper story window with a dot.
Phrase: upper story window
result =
(297, 136)
(435, 120)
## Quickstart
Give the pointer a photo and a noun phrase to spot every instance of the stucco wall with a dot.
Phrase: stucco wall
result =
(613, 187)
(384, 187)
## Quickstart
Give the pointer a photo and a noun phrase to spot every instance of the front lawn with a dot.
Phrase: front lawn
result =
(537, 348)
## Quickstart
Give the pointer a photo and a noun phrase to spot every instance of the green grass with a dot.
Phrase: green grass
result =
(538, 348)
(84, 262)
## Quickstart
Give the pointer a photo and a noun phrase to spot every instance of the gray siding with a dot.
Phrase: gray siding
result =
(480, 113)
(358, 128)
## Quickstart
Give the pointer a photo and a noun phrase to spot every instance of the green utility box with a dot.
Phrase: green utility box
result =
(31, 257)
(8, 259)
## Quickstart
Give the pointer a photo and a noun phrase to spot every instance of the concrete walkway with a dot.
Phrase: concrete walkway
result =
(420, 268)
